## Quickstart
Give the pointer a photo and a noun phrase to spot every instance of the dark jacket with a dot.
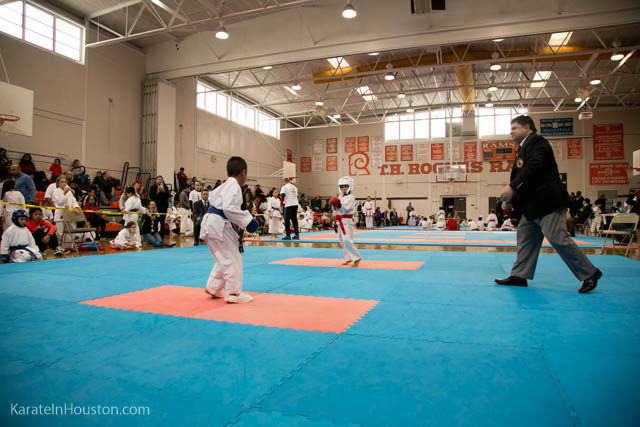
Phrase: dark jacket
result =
(150, 225)
(161, 198)
(198, 210)
(536, 180)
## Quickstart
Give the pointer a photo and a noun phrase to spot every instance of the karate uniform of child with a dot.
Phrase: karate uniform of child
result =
(473, 226)
(598, 219)
(18, 245)
(344, 208)
(63, 198)
(275, 215)
(217, 230)
(133, 207)
(426, 223)
(126, 238)
(507, 225)
(368, 209)
(412, 218)
(492, 222)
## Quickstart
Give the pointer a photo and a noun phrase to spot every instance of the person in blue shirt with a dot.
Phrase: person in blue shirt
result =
(24, 184)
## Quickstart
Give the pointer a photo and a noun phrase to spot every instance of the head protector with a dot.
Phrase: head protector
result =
(346, 180)
(18, 214)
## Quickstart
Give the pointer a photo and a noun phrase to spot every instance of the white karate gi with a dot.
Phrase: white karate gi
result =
(133, 204)
(412, 218)
(123, 238)
(368, 209)
(275, 218)
(15, 236)
(195, 196)
(597, 220)
(13, 196)
(222, 239)
(306, 223)
(48, 194)
(492, 222)
(348, 207)
(426, 224)
(172, 216)
(506, 225)
(61, 200)
(473, 226)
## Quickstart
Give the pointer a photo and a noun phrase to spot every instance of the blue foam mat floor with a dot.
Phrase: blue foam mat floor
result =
(444, 345)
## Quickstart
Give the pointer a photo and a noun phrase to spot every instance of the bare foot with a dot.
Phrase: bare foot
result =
(356, 263)
(346, 262)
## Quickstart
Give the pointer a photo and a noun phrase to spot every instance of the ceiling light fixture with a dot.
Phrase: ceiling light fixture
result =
(296, 86)
(374, 53)
(389, 76)
(319, 103)
(495, 67)
(488, 105)
(410, 110)
(617, 56)
(349, 12)
(402, 95)
(578, 99)
(497, 40)
(595, 82)
(493, 88)
(560, 39)
(222, 33)
(267, 67)
(336, 116)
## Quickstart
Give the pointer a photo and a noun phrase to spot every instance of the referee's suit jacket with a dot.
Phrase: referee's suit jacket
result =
(535, 180)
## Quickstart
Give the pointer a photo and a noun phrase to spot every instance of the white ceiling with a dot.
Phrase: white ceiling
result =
(429, 53)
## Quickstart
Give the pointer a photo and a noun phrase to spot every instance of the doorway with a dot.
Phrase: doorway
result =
(456, 206)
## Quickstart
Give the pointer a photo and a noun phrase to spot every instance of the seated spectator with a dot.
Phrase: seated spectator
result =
(47, 214)
(18, 244)
(44, 233)
(151, 227)
(473, 226)
(426, 222)
(79, 173)
(507, 225)
(5, 164)
(452, 224)
(599, 219)
(441, 224)
(27, 167)
(464, 223)
(96, 220)
(105, 187)
(55, 169)
(617, 208)
(126, 238)
(10, 195)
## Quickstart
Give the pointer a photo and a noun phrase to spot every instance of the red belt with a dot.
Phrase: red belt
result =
(339, 219)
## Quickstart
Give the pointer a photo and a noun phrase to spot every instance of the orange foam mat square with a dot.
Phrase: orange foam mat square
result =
(276, 310)
(365, 263)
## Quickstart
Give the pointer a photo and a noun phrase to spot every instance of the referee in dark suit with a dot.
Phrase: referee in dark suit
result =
(539, 197)
(197, 212)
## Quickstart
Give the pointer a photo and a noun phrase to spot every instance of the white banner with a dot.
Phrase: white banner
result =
(317, 161)
(318, 145)
(556, 146)
(422, 152)
(377, 146)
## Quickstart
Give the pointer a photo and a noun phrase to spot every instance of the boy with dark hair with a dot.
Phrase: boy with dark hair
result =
(218, 230)
(43, 232)
(18, 244)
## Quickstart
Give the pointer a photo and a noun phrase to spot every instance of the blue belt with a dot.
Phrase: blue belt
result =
(12, 249)
(213, 210)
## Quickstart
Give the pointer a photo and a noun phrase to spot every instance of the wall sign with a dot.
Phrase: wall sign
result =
(556, 126)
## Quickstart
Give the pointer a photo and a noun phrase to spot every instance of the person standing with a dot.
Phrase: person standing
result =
(24, 184)
(182, 179)
(409, 208)
(344, 207)
(368, 209)
(289, 193)
(160, 194)
(199, 209)
(538, 195)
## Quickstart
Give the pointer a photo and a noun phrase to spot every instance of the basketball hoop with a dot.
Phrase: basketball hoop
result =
(8, 118)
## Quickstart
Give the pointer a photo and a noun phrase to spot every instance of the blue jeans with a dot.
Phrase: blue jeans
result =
(152, 238)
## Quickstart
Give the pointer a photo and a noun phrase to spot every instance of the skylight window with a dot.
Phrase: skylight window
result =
(366, 93)
(540, 78)
(339, 63)
(560, 39)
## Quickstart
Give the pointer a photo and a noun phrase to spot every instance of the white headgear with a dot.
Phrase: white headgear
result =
(346, 180)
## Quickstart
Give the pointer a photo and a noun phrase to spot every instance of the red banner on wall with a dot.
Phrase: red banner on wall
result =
(350, 144)
(406, 153)
(574, 148)
(363, 144)
(608, 142)
(437, 151)
(332, 164)
(391, 153)
(470, 151)
(332, 145)
(305, 164)
(615, 173)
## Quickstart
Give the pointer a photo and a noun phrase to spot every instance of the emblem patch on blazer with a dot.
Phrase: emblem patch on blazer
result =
(519, 163)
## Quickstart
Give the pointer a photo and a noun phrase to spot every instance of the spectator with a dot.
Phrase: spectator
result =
(105, 187)
(18, 244)
(452, 224)
(62, 198)
(79, 173)
(617, 208)
(218, 184)
(5, 164)
(55, 169)
(199, 209)
(151, 227)
(10, 195)
(182, 179)
(27, 167)
(409, 208)
(602, 202)
(195, 194)
(44, 233)
(24, 184)
(96, 220)
(159, 193)
(259, 193)
(632, 204)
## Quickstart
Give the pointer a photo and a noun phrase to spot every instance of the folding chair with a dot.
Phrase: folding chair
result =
(71, 218)
(623, 225)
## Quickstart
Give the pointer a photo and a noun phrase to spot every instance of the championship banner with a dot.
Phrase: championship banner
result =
(406, 153)
(608, 142)
(609, 173)
(422, 152)
(574, 148)
(305, 164)
(377, 144)
(376, 159)
(331, 163)
(470, 151)
(437, 151)
(316, 163)
(332, 145)
(499, 150)
(317, 146)
(350, 144)
(556, 146)
(391, 153)
(363, 144)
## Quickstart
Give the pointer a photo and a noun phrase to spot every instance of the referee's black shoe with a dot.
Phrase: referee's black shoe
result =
(590, 283)
(512, 281)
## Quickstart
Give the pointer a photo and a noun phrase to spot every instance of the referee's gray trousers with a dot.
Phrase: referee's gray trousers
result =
(553, 226)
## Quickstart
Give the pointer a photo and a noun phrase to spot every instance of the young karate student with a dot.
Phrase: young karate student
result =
(344, 208)
(368, 209)
(412, 218)
(18, 244)
(275, 214)
(218, 231)
(132, 207)
(126, 238)
(492, 221)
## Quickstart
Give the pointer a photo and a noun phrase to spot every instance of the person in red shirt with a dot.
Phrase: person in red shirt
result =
(55, 169)
(452, 224)
(44, 233)
(182, 179)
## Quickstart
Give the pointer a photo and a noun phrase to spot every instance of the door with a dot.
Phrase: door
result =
(456, 206)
